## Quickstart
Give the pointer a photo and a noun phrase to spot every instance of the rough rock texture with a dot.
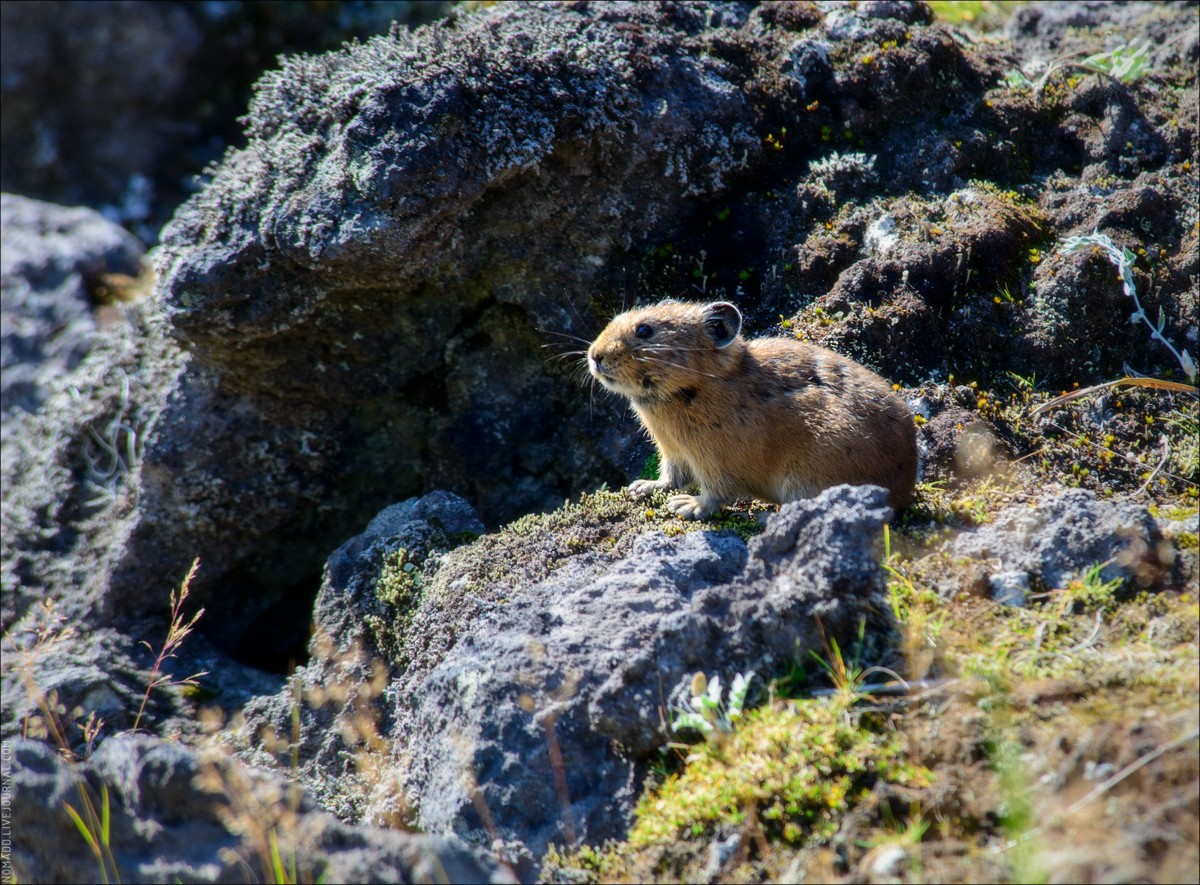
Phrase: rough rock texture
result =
(53, 261)
(85, 112)
(1066, 534)
(366, 289)
(178, 815)
(353, 609)
(424, 200)
(365, 323)
(74, 675)
(986, 179)
(355, 309)
(72, 472)
(120, 104)
(534, 723)
(1045, 32)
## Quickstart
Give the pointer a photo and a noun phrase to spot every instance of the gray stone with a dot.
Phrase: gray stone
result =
(52, 261)
(72, 477)
(845, 21)
(534, 722)
(119, 103)
(1010, 588)
(89, 89)
(1065, 534)
(1047, 32)
(888, 862)
(180, 815)
(720, 853)
(349, 614)
(71, 675)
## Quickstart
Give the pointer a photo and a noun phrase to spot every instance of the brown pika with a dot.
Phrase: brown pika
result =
(773, 418)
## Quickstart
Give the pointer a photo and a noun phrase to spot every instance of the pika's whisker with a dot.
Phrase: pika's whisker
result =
(651, 359)
(671, 348)
(563, 335)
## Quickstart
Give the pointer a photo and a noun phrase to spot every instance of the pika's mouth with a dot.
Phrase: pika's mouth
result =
(601, 372)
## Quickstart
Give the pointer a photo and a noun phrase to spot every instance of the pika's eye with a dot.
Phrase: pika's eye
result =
(643, 331)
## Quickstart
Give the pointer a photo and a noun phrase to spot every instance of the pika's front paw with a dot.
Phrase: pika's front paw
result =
(689, 506)
(643, 488)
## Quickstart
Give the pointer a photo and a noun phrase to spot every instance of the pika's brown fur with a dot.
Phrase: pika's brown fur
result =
(773, 418)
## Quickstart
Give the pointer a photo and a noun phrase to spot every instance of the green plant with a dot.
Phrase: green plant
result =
(1014, 78)
(985, 15)
(113, 450)
(1015, 811)
(906, 835)
(789, 772)
(650, 467)
(280, 874)
(1090, 592)
(706, 713)
(849, 680)
(1125, 63)
(96, 829)
(1124, 259)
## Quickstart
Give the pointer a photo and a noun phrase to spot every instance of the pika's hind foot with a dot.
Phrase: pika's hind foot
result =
(692, 507)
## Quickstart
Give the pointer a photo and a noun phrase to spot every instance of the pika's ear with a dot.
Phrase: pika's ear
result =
(722, 321)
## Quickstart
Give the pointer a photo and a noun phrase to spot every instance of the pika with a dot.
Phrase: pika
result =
(772, 418)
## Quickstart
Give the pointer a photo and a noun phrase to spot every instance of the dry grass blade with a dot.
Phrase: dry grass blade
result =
(1129, 769)
(1156, 383)
(176, 633)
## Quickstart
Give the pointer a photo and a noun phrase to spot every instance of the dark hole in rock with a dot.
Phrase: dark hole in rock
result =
(263, 627)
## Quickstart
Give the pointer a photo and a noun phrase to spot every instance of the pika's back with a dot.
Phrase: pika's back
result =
(774, 418)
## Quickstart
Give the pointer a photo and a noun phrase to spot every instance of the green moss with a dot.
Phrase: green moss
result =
(404, 576)
(985, 15)
(602, 522)
(1016, 693)
(744, 525)
(800, 765)
(789, 773)
(1185, 458)
(399, 582)
(1093, 669)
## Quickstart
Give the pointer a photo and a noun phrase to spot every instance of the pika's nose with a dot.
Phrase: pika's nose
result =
(597, 360)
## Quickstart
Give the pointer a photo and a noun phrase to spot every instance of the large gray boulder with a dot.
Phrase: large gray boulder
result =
(360, 292)
(374, 269)
(364, 293)
(526, 711)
